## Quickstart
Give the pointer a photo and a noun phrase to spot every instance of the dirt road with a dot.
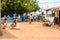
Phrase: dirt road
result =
(34, 31)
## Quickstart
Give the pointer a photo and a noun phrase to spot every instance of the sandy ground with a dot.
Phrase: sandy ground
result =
(34, 31)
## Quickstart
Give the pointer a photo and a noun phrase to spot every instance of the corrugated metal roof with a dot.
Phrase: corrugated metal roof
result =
(55, 8)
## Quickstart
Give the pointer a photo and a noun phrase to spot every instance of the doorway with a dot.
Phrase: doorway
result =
(59, 14)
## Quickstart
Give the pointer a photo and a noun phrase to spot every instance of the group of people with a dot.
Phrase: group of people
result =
(5, 19)
(34, 18)
(4, 22)
(29, 18)
(57, 21)
(52, 21)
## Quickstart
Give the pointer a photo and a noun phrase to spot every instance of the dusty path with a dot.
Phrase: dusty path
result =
(34, 31)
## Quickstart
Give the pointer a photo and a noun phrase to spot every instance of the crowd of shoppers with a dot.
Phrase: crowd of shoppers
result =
(30, 18)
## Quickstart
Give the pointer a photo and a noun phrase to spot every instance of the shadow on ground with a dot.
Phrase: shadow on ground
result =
(7, 35)
(15, 29)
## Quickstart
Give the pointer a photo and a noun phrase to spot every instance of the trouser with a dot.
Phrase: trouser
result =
(13, 25)
(31, 21)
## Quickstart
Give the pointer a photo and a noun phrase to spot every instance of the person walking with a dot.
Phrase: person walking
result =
(13, 25)
(4, 22)
(31, 19)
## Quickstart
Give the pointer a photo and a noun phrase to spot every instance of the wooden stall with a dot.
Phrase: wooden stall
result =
(55, 12)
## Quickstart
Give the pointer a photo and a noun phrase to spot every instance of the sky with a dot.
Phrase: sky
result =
(45, 4)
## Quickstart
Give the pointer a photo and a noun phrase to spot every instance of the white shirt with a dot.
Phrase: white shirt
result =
(31, 17)
(27, 14)
(18, 16)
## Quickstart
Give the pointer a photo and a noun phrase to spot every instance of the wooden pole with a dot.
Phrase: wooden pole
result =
(0, 21)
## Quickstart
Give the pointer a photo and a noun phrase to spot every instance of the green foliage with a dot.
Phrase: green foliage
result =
(19, 6)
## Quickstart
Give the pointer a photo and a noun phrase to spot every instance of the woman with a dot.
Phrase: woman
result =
(4, 22)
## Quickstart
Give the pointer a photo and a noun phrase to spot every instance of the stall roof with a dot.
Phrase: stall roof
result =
(54, 8)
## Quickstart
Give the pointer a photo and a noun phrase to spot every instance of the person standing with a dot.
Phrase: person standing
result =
(55, 20)
(8, 17)
(59, 22)
(28, 18)
(19, 18)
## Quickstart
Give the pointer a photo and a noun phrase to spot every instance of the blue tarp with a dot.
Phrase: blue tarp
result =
(21, 17)
(11, 19)
(11, 16)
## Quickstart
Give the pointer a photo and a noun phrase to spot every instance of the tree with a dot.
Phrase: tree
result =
(19, 6)
(35, 6)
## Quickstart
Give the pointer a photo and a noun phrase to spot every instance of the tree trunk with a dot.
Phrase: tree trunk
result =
(1, 33)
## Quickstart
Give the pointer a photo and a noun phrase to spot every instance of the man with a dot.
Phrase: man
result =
(13, 25)
(14, 22)
(18, 18)
(25, 17)
(31, 19)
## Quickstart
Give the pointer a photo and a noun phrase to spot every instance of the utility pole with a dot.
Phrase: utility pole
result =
(0, 10)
